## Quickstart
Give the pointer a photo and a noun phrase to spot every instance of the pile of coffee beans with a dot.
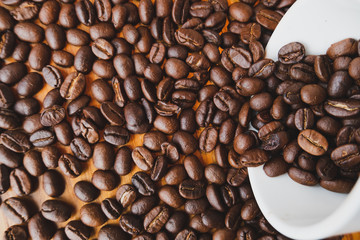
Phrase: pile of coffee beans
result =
(308, 119)
(81, 81)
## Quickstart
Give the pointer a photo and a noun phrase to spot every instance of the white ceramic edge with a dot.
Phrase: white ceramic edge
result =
(346, 218)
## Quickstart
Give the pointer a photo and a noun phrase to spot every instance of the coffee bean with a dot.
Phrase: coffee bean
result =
(17, 210)
(53, 183)
(212, 218)
(156, 219)
(111, 232)
(56, 210)
(302, 176)
(60, 234)
(180, 11)
(342, 48)
(170, 196)
(29, 32)
(208, 139)
(143, 183)
(176, 222)
(33, 163)
(12, 73)
(15, 232)
(70, 165)
(103, 10)
(122, 164)
(268, 18)
(86, 191)
(196, 206)
(21, 182)
(84, 59)
(73, 85)
(190, 189)
(126, 195)
(67, 16)
(105, 180)
(337, 185)
(42, 138)
(186, 234)
(92, 215)
(77, 230)
(111, 208)
(312, 142)
(131, 224)
(40, 228)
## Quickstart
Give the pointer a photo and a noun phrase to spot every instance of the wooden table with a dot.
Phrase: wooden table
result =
(39, 195)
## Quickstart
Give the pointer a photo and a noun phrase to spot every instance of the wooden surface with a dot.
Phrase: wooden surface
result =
(39, 195)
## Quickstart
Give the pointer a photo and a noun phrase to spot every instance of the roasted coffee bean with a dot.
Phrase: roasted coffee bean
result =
(63, 58)
(49, 12)
(116, 135)
(39, 56)
(123, 161)
(12, 73)
(76, 105)
(52, 116)
(214, 197)
(156, 219)
(176, 68)
(111, 232)
(268, 18)
(312, 142)
(30, 124)
(185, 141)
(17, 210)
(6, 21)
(342, 48)
(143, 183)
(28, 86)
(84, 59)
(253, 157)
(15, 141)
(170, 196)
(4, 178)
(186, 234)
(9, 158)
(180, 11)
(215, 174)
(212, 218)
(111, 208)
(131, 224)
(126, 195)
(77, 230)
(103, 68)
(193, 167)
(275, 167)
(70, 165)
(53, 183)
(86, 191)
(176, 222)
(8, 44)
(346, 156)
(175, 175)
(63, 133)
(262, 69)
(21, 182)
(73, 85)
(52, 76)
(236, 57)
(42, 138)
(159, 169)
(77, 37)
(40, 228)
(89, 130)
(67, 16)
(105, 180)
(33, 163)
(92, 215)
(103, 156)
(27, 106)
(7, 97)
(29, 32)
(81, 149)
(170, 151)
(85, 12)
(15, 232)
(25, 11)
(190, 189)
(208, 139)
(135, 117)
(56, 210)
(196, 206)
(302, 176)
(337, 185)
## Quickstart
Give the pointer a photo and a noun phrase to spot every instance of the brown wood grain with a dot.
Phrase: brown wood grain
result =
(39, 195)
